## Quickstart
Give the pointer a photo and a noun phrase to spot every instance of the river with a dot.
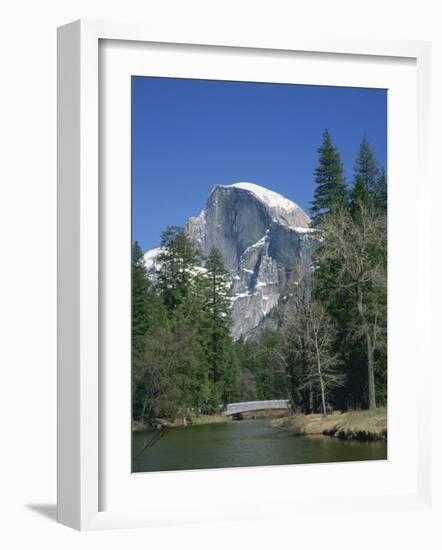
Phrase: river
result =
(243, 443)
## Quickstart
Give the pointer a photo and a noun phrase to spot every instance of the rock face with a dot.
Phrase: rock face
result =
(262, 236)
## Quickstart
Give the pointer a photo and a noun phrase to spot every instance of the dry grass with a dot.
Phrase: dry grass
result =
(358, 425)
(209, 419)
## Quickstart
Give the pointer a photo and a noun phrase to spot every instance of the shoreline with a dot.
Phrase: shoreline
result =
(204, 419)
(138, 426)
(363, 425)
(356, 425)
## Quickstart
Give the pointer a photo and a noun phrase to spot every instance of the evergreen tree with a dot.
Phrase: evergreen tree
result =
(360, 198)
(331, 289)
(330, 192)
(140, 288)
(246, 380)
(181, 286)
(219, 320)
(178, 261)
(246, 388)
(366, 167)
(273, 375)
(379, 192)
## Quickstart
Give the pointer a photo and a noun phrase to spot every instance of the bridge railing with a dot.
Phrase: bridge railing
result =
(246, 406)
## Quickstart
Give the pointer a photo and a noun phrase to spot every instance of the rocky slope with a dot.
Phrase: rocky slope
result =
(262, 236)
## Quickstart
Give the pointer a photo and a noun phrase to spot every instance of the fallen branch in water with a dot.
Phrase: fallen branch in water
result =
(158, 435)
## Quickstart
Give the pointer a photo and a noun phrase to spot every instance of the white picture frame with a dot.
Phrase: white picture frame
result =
(80, 437)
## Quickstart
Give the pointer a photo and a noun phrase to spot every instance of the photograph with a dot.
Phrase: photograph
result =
(259, 274)
(222, 275)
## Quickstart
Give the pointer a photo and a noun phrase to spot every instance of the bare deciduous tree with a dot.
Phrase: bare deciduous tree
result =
(358, 247)
(306, 348)
(319, 335)
(162, 373)
(309, 335)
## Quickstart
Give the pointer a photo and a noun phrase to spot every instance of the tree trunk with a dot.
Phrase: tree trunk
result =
(311, 404)
(143, 410)
(371, 385)
(321, 379)
(370, 353)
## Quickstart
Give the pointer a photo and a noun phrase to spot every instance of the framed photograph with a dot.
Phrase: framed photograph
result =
(233, 273)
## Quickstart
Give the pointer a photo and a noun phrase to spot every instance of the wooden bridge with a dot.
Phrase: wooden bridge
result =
(247, 406)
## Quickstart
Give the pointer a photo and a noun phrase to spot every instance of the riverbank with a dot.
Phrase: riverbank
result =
(138, 426)
(266, 413)
(355, 425)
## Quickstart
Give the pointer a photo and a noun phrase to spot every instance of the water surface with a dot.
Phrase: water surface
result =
(243, 443)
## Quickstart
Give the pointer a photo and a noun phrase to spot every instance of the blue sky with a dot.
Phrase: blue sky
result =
(188, 135)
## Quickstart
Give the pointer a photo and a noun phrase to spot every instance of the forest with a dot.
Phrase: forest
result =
(327, 348)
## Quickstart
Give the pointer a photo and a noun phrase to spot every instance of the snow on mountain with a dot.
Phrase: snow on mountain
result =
(150, 258)
(263, 238)
(278, 205)
(280, 208)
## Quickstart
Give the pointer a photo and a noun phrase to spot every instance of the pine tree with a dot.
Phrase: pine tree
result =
(360, 198)
(140, 288)
(181, 287)
(366, 166)
(178, 261)
(219, 320)
(379, 192)
(331, 192)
